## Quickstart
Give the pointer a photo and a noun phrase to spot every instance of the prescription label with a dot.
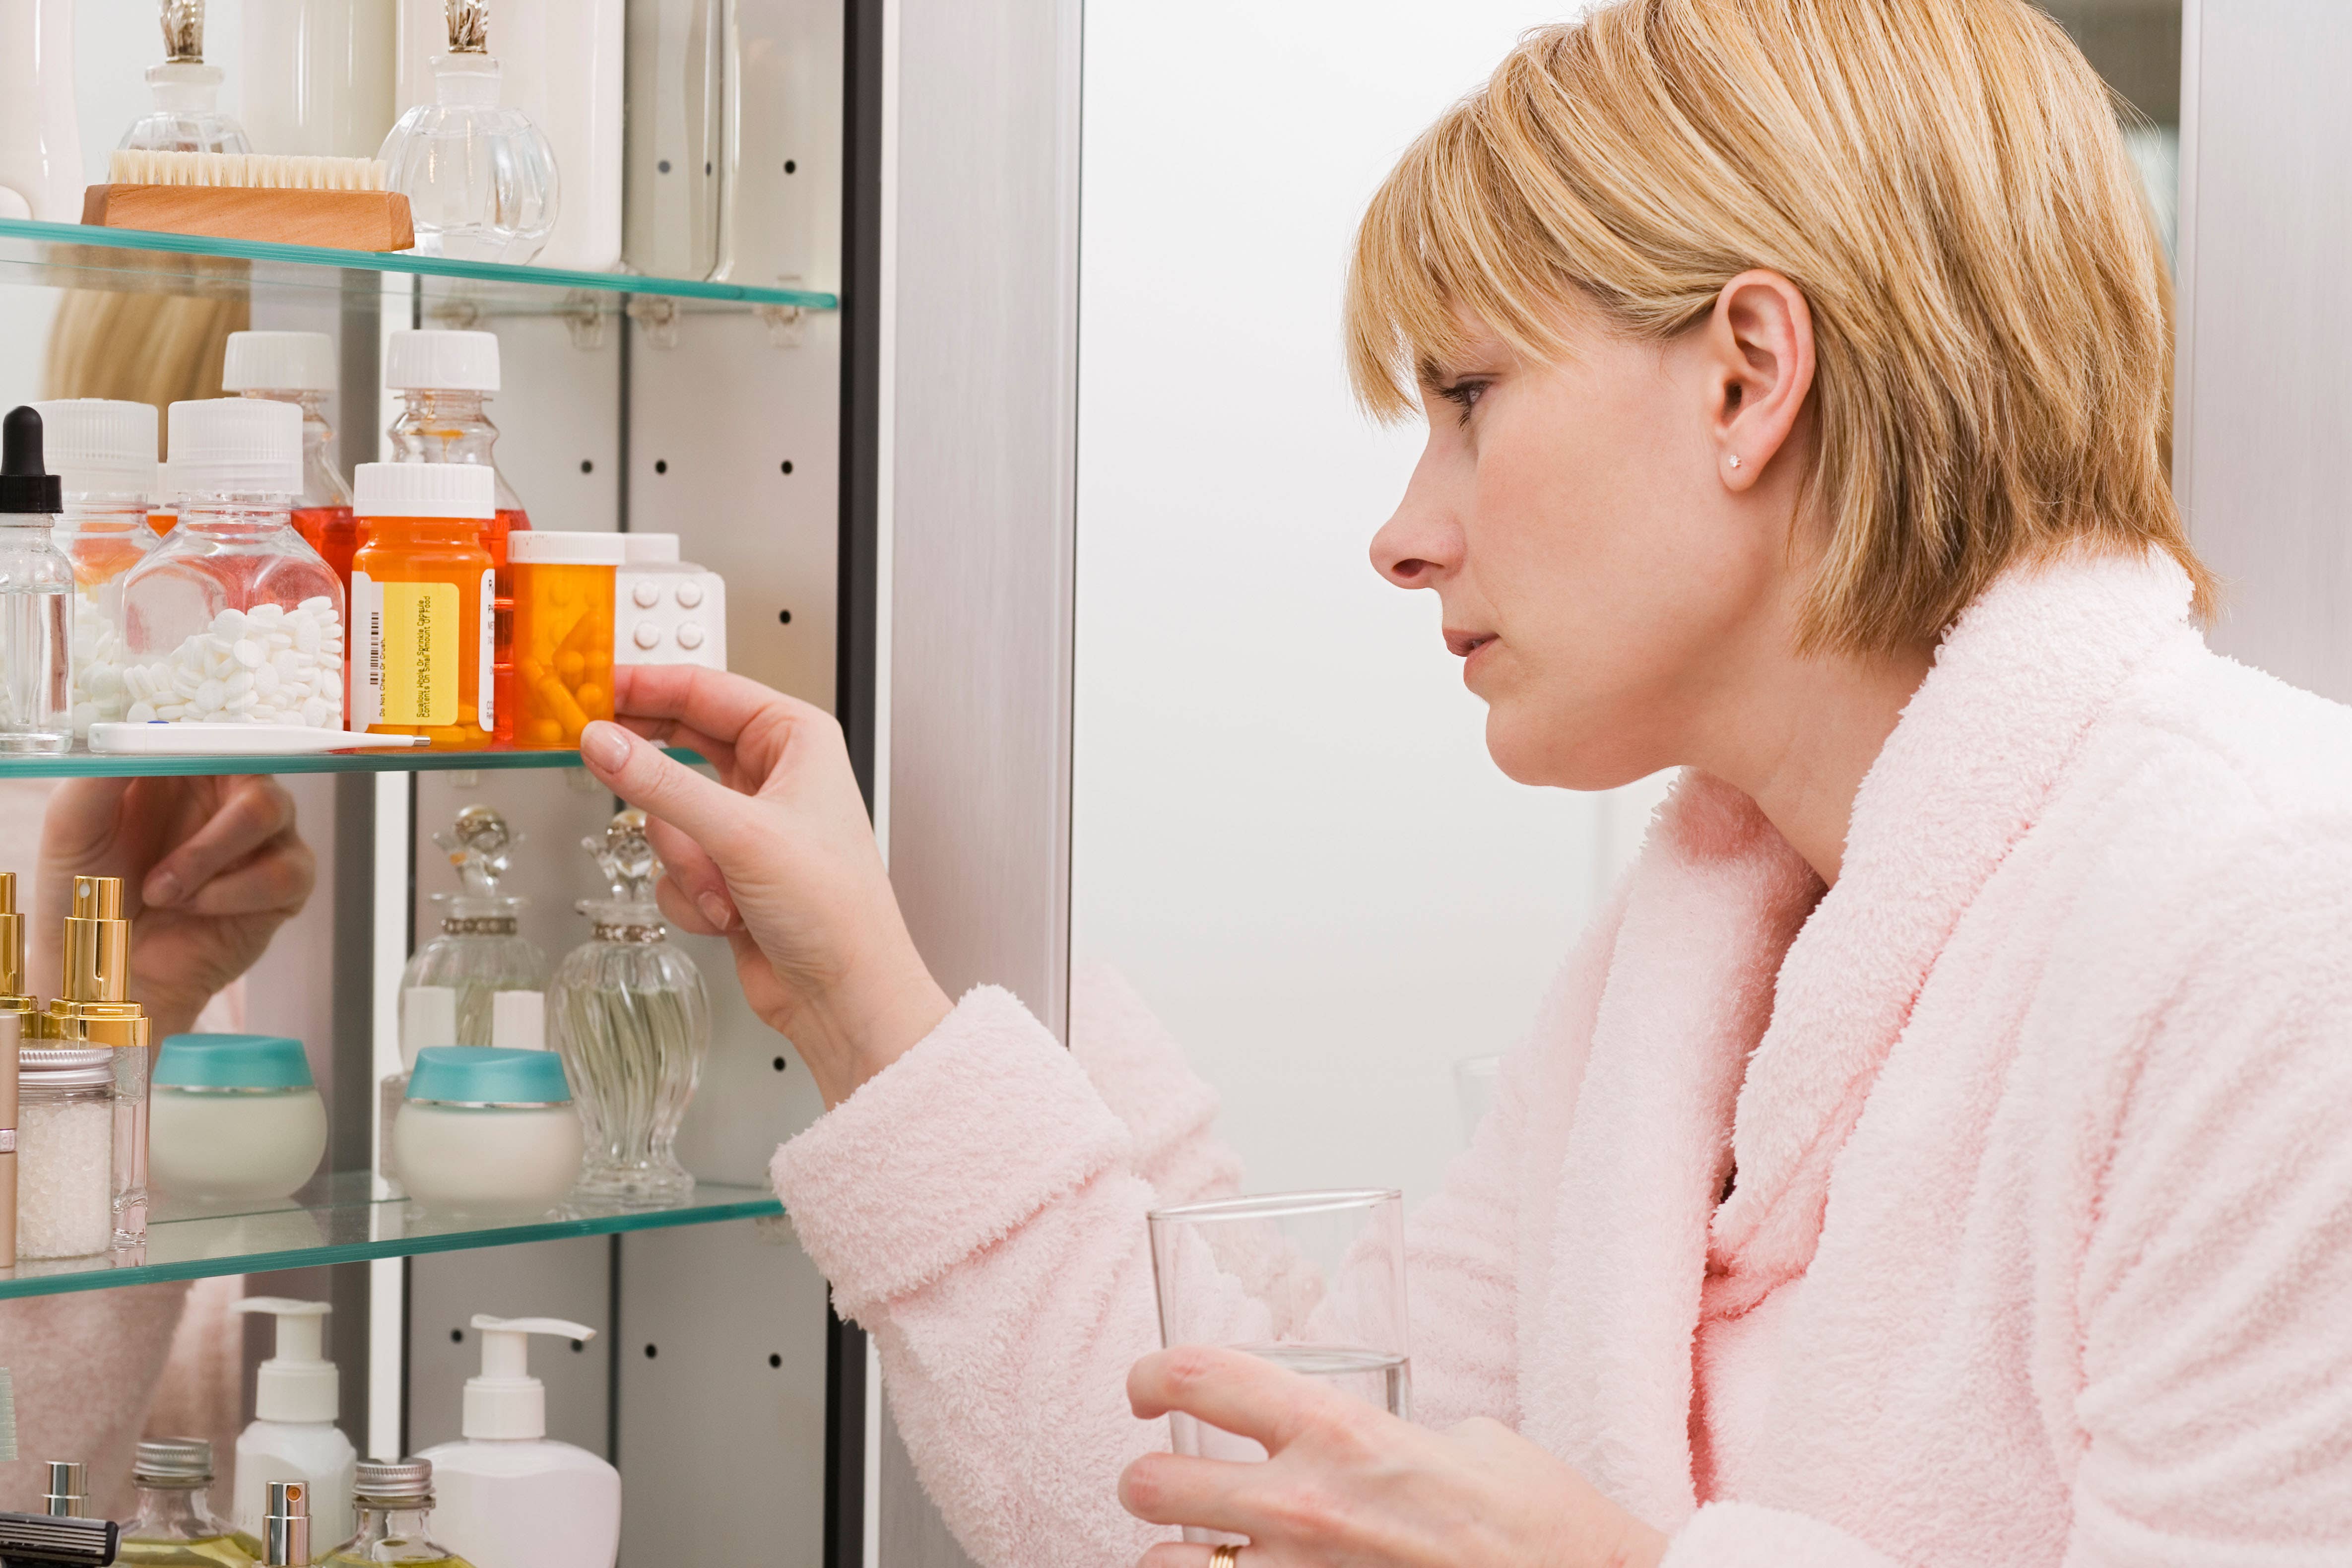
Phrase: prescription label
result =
(423, 652)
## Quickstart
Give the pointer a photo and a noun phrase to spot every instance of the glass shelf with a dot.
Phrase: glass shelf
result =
(343, 1222)
(74, 256)
(81, 764)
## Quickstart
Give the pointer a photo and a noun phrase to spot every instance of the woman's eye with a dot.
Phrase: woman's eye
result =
(1463, 394)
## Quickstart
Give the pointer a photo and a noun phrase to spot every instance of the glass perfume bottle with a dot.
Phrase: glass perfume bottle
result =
(186, 117)
(449, 990)
(479, 177)
(633, 1021)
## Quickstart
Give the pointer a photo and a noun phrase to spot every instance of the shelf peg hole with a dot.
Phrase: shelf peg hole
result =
(456, 1336)
(651, 1351)
(587, 465)
(579, 1345)
(663, 165)
(788, 465)
(783, 617)
(661, 465)
(791, 168)
(774, 1360)
(779, 1063)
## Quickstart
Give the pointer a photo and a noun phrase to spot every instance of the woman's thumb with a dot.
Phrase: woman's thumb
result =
(635, 769)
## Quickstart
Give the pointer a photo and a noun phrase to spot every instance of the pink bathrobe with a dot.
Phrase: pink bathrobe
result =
(2040, 1249)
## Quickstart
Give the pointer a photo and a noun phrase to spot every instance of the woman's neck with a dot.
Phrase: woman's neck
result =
(1800, 733)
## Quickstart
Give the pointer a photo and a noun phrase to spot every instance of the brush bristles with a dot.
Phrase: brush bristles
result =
(245, 171)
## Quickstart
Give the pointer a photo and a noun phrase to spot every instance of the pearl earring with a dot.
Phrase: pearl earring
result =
(1734, 459)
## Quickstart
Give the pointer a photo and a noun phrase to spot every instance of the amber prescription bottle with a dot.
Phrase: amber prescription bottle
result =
(422, 588)
(562, 633)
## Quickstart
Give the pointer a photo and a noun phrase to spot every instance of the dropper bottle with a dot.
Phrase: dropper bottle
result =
(93, 1008)
(35, 587)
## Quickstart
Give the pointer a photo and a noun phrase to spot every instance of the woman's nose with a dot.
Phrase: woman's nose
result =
(1416, 548)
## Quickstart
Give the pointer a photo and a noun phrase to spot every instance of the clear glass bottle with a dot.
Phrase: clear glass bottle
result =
(173, 1525)
(633, 1022)
(103, 451)
(36, 593)
(395, 1499)
(479, 952)
(65, 1150)
(299, 368)
(444, 378)
(186, 117)
(234, 616)
(480, 178)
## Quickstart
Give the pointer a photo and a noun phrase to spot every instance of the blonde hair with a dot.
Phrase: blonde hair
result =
(1946, 181)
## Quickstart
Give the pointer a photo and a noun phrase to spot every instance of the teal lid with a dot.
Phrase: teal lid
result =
(232, 1061)
(487, 1075)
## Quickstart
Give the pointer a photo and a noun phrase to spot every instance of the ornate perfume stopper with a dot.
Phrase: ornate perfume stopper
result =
(469, 26)
(184, 32)
(625, 855)
(478, 849)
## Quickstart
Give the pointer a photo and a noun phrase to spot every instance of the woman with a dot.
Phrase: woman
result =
(1936, 1153)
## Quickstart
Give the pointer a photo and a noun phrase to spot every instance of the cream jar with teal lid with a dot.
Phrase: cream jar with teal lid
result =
(487, 1131)
(233, 1118)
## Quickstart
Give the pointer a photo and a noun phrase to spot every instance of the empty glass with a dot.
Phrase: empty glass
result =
(1311, 1281)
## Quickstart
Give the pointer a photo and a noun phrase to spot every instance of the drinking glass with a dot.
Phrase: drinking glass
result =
(1310, 1281)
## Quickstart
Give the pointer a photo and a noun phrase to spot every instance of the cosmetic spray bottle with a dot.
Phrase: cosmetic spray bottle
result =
(93, 1008)
(68, 1493)
(294, 1437)
(286, 1526)
(509, 1497)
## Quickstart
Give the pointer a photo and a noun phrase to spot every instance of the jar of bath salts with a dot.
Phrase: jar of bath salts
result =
(562, 633)
(103, 451)
(487, 1131)
(234, 1117)
(234, 617)
(65, 1152)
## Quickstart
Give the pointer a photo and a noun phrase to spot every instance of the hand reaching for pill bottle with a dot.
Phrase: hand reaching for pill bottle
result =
(211, 868)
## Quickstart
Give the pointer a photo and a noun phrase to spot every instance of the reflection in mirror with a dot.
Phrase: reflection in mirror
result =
(2136, 46)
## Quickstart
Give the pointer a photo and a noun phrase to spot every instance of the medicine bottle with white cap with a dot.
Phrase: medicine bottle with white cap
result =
(234, 617)
(293, 1437)
(508, 1496)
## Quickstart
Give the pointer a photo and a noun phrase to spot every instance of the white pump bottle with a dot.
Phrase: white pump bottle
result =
(506, 1494)
(294, 1437)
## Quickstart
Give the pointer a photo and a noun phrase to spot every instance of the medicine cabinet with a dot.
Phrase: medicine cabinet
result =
(730, 1398)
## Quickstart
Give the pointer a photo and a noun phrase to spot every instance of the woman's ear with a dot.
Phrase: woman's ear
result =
(1759, 349)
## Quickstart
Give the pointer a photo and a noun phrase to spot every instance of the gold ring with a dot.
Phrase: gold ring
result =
(1225, 1556)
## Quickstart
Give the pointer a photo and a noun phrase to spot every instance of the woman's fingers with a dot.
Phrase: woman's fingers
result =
(1208, 1494)
(276, 881)
(712, 814)
(253, 812)
(694, 878)
(731, 709)
(1185, 1554)
(1232, 1390)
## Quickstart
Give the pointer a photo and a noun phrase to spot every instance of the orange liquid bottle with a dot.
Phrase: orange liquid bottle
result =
(421, 586)
(444, 378)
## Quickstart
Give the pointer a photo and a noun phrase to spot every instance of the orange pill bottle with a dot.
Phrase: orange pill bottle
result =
(562, 633)
(422, 587)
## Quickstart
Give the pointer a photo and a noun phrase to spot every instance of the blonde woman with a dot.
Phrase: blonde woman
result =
(1940, 1152)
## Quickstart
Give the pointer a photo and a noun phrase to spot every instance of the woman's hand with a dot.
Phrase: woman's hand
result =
(1346, 1484)
(779, 859)
(211, 868)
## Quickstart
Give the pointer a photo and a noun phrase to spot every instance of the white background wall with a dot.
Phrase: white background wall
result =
(1289, 834)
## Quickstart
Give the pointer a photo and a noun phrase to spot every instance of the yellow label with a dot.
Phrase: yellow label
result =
(421, 640)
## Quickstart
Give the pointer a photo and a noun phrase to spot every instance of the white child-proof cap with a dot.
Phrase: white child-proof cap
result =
(436, 359)
(299, 1382)
(551, 547)
(506, 1401)
(278, 362)
(424, 489)
(650, 549)
(236, 445)
(99, 445)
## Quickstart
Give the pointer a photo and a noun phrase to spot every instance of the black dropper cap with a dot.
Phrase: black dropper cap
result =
(24, 486)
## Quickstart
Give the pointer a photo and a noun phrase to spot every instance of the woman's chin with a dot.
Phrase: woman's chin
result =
(1547, 757)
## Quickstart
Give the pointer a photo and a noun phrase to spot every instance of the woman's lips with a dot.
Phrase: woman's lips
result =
(1461, 645)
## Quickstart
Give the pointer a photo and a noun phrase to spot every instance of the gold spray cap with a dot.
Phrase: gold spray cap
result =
(13, 986)
(98, 943)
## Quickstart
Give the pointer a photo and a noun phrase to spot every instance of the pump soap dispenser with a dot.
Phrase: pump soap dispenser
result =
(294, 1437)
(508, 1496)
